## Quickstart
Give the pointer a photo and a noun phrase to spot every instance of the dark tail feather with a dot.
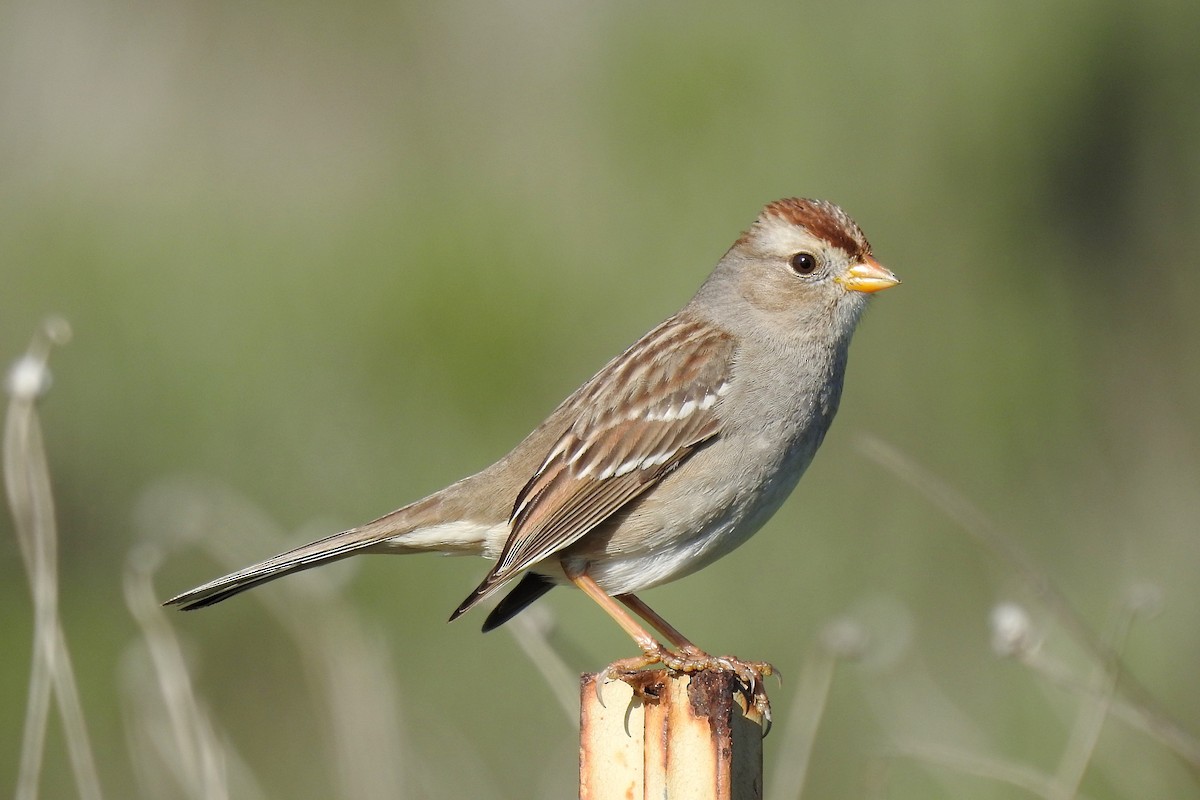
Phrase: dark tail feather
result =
(331, 548)
(531, 587)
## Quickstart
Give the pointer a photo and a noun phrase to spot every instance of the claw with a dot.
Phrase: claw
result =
(764, 708)
(692, 659)
(598, 687)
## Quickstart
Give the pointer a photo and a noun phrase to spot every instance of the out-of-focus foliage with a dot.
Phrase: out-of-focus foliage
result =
(334, 256)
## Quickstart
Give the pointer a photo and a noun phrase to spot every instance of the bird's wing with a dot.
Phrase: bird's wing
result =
(634, 422)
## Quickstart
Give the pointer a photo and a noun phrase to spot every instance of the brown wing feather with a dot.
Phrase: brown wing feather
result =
(637, 419)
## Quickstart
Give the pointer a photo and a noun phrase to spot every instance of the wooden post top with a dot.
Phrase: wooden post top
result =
(668, 736)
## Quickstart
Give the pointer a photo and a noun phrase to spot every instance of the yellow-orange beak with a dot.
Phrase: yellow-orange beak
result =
(867, 276)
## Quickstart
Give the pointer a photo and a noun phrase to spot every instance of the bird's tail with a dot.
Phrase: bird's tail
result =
(398, 532)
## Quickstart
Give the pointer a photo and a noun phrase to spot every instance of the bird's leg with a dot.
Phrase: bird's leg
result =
(692, 659)
(669, 631)
(652, 650)
(689, 659)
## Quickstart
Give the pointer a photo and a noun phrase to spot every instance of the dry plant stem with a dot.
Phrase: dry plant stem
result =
(27, 483)
(1093, 711)
(1032, 781)
(341, 657)
(1059, 675)
(199, 763)
(24, 483)
(351, 669)
(546, 660)
(976, 523)
(344, 660)
(879, 773)
(808, 707)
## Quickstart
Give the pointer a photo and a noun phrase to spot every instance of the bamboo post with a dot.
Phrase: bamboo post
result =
(668, 736)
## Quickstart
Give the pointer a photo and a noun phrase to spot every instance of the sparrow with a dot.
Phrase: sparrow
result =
(669, 457)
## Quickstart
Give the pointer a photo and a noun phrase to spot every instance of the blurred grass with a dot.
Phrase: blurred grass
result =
(336, 257)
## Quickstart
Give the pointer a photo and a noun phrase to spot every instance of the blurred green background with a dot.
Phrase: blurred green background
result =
(331, 257)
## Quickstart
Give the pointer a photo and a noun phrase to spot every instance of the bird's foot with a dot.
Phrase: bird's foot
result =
(690, 659)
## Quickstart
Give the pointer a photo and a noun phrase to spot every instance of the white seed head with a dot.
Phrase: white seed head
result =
(57, 329)
(1012, 630)
(845, 638)
(28, 378)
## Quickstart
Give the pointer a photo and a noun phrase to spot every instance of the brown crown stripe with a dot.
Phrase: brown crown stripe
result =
(821, 218)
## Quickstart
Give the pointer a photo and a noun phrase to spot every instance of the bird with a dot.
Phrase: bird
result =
(669, 457)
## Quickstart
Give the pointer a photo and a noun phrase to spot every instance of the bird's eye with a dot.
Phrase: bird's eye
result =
(804, 263)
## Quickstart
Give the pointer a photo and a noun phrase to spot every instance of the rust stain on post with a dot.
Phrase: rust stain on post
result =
(673, 736)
